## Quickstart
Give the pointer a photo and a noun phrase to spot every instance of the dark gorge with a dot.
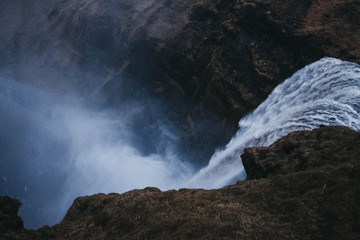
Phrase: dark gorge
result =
(105, 96)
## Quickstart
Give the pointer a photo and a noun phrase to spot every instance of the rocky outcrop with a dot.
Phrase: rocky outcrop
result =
(302, 151)
(307, 188)
(8, 214)
(11, 225)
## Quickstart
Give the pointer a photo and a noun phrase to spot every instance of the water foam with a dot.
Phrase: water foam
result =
(326, 92)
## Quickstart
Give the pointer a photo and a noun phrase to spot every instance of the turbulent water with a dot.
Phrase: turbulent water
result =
(326, 92)
(53, 150)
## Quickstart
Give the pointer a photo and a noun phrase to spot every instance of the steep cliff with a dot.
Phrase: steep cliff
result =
(304, 186)
(208, 62)
(226, 54)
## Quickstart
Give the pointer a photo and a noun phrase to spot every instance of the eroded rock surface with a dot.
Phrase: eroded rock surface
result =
(319, 200)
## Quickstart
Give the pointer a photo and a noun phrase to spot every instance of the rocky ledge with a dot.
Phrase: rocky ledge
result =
(304, 186)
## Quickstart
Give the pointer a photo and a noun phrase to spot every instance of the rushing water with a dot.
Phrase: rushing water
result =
(53, 150)
(326, 92)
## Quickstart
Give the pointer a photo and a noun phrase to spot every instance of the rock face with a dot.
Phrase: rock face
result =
(302, 151)
(304, 186)
(208, 62)
(8, 215)
(227, 54)
(11, 225)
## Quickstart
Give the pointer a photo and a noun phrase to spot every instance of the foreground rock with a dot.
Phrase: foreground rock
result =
(304, 186)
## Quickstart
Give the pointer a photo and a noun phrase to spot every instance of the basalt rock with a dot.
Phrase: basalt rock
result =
(319, 200)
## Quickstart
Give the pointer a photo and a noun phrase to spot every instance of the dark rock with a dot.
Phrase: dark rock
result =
(303, 150)
(11, 225)
(320, 200)
(9, 220)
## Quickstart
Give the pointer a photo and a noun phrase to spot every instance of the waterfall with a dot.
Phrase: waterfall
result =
(326, 92)
(55, 149)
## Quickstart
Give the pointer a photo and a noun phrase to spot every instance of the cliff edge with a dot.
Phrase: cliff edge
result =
(304, 186)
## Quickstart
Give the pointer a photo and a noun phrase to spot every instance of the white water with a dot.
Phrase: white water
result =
(326, 92)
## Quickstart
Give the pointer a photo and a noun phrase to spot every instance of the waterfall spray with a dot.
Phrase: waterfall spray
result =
(53, 150)
(326, 92)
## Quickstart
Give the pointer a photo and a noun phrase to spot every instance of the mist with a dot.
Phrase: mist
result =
(54, 149)
(79, 111)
